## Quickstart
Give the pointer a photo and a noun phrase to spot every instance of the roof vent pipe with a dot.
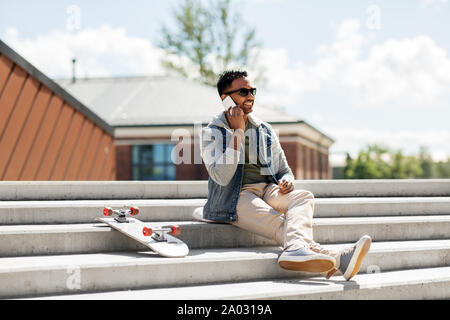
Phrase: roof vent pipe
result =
(73, 70)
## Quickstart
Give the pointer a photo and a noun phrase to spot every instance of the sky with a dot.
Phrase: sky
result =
(361, 72)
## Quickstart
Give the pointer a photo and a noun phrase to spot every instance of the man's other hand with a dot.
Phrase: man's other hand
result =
(286, 186)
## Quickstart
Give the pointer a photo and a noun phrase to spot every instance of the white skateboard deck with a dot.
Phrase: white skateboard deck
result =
(172, 248)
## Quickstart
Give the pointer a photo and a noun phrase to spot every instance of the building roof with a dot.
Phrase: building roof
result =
(156, 101)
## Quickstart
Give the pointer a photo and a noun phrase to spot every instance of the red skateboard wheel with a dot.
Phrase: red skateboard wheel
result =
(107, 211)
(134, 211)
(176, 230)
(147, 231)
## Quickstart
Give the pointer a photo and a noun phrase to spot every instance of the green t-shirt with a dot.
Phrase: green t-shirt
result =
(252, 171)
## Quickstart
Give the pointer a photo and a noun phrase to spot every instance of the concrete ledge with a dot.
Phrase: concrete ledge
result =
(84, 190)
(381, 206)
(125, 271)
(85, 211)
(87, 190)
(430, 283)
(91, 238)
(35, 240)
(377, 188)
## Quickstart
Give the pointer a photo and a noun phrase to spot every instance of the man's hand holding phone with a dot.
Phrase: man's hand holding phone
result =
(235, 115)
(236, 118)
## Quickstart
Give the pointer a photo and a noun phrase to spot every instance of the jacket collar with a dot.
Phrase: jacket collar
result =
(221, 121)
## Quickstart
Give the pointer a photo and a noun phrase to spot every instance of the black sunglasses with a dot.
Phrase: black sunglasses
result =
(243, 92)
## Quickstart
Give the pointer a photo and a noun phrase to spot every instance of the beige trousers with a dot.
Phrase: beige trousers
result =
(285, 218)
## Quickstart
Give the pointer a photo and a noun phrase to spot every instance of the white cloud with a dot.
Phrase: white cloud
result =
(100, 51)
(409, 70)
(397, 72)
(414, 70)
(429, 3)
(287, 80)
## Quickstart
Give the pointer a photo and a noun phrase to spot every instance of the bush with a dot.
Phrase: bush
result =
(377, 162)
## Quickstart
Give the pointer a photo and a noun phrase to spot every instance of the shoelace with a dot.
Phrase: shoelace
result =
(348, 249)
(343, 252)
(316, 247)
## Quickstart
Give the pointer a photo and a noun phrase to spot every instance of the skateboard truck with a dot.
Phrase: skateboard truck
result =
(160, 234)
(120, 215)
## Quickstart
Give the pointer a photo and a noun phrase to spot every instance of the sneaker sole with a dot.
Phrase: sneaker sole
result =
(360, 253)
(314, 265)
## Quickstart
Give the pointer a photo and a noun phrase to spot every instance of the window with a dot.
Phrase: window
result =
(152, 162)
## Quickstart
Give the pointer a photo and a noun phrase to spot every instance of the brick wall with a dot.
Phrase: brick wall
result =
(306, 163)
(123, 162)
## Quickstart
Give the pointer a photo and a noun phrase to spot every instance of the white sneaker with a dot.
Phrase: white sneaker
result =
(350, 259)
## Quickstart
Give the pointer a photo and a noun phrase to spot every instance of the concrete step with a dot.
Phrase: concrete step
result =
(29, 240)
(85, 211)
(75, 274)
(415, 284)
(89, 190)
(24, 240)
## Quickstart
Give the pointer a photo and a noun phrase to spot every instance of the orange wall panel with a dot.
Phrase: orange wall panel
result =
(9, 96)
(68, 145)
(100, 159)
(79, 151)
(56, 140)
(16, 121)
(5, 68)
(91, 152)
(45, 133)
(28, 135)
(38, 149)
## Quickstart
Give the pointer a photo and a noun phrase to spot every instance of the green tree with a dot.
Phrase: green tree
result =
(404, 167)
(426, 163)
(442, 169)
(368, 165)
(376, 162)
(211, 36)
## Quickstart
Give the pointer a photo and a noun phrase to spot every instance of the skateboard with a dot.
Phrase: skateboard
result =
(161, 240)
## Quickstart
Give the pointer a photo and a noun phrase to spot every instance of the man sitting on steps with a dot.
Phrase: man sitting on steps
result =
(251, 186)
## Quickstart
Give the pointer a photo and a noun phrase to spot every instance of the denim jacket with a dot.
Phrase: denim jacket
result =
(225, 165)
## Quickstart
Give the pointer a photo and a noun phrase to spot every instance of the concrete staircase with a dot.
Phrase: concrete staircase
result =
(51, 247)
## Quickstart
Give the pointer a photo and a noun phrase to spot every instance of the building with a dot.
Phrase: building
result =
(149, 113)
(46, 133)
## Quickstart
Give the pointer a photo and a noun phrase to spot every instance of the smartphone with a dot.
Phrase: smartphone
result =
(228, 102)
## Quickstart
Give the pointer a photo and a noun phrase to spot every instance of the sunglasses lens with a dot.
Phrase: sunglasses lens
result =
(244, 91)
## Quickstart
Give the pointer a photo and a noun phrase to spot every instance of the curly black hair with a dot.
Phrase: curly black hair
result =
(227, 77)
